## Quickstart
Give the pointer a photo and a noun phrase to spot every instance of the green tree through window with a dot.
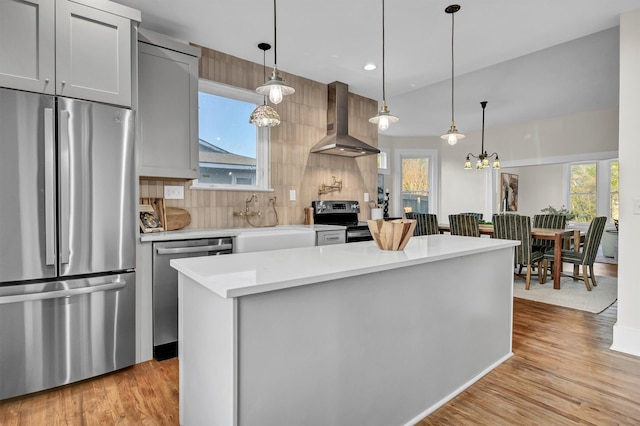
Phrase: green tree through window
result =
(583, 191)
(415, 184)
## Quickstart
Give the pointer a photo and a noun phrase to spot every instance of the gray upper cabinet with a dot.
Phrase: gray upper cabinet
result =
(78, 49)
(27, 49)
(168, 107)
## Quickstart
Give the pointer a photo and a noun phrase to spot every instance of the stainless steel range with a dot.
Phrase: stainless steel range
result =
(343, 213)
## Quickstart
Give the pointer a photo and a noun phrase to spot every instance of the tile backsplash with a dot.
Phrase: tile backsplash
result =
(303, 123)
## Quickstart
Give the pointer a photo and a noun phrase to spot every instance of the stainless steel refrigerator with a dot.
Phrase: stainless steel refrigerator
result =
(67, 240)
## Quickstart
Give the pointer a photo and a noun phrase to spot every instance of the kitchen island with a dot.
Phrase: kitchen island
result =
(341, 335)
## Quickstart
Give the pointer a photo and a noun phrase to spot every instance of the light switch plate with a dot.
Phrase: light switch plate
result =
(292, 195)
(366, 197)
(636, 206)
(174, 192)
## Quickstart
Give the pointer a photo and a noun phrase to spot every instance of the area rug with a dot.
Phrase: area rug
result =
(600, 258)
(572, 294)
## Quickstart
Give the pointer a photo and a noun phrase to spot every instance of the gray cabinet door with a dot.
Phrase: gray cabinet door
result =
(168, 115)
(27, 45)
(93, 54)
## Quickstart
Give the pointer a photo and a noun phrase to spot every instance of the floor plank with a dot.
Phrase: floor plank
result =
(562, 373)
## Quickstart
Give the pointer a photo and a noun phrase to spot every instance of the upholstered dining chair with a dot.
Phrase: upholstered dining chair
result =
(587, 254)
(478, 215)
(426, 224)
(549, 221)
(464, 224)
(517, 227)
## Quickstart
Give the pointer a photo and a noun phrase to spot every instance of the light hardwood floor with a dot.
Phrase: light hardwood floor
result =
(562, 373)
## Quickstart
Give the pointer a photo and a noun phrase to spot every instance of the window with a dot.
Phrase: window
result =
(415, 181)
(593, 189)
(614, 197)
(583, 191)
(415, 184)
(234, 154)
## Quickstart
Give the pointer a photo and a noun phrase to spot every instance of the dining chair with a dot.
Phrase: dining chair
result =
(478, 215)
(549, 221)
(518, 227)
(426, 223)
(587, 254)
(464, 224)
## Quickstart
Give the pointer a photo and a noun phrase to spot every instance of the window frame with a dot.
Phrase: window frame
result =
(263, 138)
(434, 185)
(603, 185)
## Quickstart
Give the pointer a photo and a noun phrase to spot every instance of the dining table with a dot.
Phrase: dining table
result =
(561, 239)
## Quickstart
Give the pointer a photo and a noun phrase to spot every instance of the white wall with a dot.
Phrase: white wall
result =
(541, 142)
(532, 182)
(626, 332)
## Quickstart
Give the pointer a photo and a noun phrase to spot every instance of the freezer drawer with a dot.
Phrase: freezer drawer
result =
(60, 332)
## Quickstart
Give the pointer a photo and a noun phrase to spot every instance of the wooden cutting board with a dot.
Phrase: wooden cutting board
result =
(177, 218)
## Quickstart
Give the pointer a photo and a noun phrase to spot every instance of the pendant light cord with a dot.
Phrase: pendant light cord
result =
(384, 98)
(452, 86)
(275, 42)
(264, 73)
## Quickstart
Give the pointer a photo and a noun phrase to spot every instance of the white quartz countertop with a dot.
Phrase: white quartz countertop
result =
(244, 274)
(191, 234)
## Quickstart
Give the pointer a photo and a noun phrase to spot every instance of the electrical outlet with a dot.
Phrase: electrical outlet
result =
(292, 195)
(174, 192)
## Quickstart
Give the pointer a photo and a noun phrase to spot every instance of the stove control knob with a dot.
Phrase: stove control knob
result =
(355, 206)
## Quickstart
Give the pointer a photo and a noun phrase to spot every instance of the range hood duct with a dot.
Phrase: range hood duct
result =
(338, 141)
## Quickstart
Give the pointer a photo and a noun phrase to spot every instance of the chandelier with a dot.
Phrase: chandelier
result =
(483, 157)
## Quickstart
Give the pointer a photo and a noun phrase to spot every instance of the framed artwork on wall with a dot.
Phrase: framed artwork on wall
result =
(508, 192)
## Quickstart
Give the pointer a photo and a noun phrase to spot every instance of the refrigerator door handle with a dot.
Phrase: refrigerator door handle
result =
(49, 188)
(54, 294)
(65, 187)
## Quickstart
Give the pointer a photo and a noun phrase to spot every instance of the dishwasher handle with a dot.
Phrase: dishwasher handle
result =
(195, 249)
(55, 294)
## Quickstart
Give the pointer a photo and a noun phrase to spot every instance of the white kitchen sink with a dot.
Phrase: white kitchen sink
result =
(273, 239)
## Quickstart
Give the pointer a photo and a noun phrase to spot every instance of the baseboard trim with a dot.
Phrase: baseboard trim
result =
(626, 339)
(456, 392)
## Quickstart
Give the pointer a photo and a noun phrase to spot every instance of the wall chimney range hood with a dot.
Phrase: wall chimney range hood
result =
(338, 141)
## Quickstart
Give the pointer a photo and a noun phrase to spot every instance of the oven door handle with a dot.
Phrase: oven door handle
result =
(359, 233)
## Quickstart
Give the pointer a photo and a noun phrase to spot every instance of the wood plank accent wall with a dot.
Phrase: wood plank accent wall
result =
(303, 123)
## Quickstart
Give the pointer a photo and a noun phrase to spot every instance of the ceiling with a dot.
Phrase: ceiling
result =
(528, 59)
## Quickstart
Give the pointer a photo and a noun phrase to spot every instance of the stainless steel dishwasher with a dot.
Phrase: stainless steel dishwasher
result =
(165, 287)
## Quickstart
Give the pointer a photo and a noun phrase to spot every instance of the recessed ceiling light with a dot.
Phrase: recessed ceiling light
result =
(370, 67)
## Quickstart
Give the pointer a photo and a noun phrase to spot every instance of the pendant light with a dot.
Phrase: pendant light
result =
(452, 135)
(383, 119)
(483, 157)
(264, 115)
(275, 87)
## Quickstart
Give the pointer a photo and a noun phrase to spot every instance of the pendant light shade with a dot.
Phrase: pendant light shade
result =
(275, 87)
(384, 118)
(483, 157)
(452, 136)
(264, 115)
